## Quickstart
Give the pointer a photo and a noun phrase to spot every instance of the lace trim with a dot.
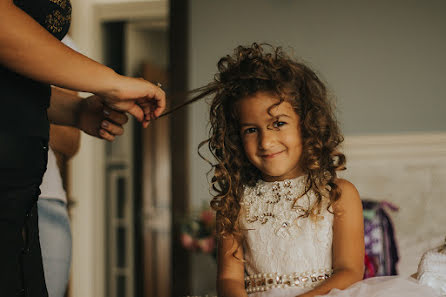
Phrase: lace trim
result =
(262, 282)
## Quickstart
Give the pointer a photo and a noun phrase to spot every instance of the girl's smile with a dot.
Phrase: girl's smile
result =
(271, 136)
(270, 156)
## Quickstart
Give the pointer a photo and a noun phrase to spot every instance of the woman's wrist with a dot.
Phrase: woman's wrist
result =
(77, 111)
(64, 108)
(112, 86)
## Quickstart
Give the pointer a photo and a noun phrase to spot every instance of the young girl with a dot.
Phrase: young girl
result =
(287, 225)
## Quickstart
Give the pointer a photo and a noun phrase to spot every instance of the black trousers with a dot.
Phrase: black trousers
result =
(22, 164)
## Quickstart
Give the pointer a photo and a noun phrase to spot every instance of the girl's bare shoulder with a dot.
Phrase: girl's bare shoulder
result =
(349, 198)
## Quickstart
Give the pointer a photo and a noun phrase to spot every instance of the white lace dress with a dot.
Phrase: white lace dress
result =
(287, 254)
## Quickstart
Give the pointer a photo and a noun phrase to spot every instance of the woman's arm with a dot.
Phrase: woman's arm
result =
(65, 140)
(28, 49)
(348, 242)
(231, 271)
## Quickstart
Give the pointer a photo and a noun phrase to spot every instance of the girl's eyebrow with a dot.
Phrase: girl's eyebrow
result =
(247, 124)
(282, 115)
(272, 118)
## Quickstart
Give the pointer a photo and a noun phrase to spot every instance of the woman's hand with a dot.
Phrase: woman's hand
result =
(96, 119)
(90, 115)
(142, 99)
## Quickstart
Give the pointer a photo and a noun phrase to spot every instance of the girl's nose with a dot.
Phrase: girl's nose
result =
(266, 140)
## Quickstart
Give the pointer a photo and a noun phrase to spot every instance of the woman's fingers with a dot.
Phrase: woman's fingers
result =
(116, 117)
(160, 99)
(112, 128)
(154, 102)
(137, 112)
(148, 108)
(105, 135)
(145, 123)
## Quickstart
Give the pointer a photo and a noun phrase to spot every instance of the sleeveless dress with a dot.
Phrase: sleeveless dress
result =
(288, 254)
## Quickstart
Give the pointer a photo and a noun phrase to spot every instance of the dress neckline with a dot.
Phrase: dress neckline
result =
(299, 180)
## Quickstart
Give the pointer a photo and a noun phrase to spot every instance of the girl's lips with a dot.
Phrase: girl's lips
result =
(270, 156)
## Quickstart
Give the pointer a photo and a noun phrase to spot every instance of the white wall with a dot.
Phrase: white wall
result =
(384, 61)
(408, 170)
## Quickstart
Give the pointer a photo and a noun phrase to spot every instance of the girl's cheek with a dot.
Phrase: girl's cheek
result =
(248, 148)
(245, 140)
(245, 147)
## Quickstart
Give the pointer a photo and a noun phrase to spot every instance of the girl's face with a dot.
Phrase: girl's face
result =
(271, 136)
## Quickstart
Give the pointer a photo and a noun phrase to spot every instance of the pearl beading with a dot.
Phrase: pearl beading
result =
(265, 281)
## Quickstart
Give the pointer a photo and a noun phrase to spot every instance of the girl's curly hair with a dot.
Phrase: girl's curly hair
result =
(263, 68)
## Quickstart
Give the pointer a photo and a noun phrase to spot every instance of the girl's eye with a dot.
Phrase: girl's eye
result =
(278, 124)
(249, 131)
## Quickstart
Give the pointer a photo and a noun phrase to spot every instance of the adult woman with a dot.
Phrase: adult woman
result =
(32, 58)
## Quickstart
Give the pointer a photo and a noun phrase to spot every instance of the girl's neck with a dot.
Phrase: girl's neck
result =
(267, 178)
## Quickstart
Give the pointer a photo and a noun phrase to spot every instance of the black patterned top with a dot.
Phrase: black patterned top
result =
(53, 15)
(24, 101)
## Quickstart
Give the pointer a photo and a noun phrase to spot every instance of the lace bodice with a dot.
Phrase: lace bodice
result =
(278, 240)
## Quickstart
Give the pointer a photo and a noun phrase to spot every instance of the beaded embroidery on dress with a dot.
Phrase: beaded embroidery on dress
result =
(288, 253)
(283, 247)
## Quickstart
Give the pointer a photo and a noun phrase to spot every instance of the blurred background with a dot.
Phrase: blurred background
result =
(383, 61)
